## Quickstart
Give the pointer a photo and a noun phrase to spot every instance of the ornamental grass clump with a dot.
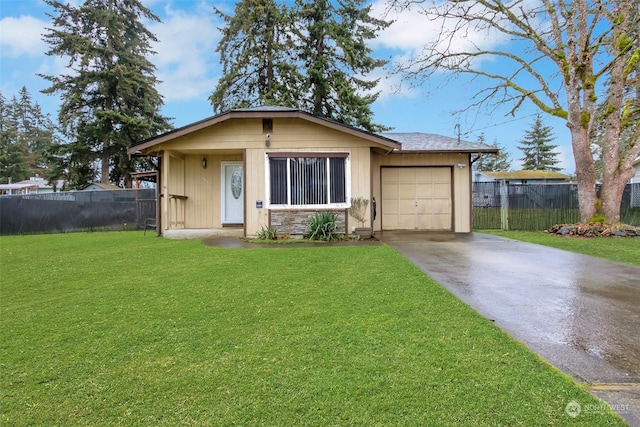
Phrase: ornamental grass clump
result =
(322, 226)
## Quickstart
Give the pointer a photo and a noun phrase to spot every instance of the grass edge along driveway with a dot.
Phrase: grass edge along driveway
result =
(625, 250)
(126, 329)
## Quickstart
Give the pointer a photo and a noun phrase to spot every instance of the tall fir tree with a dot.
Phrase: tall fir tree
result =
(258, 57)
(109, 99)
(335, 56)
(311, 55)
(500, 162)
(14, 166)
(538, 153)
(27, 133)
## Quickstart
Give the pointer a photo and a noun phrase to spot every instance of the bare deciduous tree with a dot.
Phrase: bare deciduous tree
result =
(566, 57)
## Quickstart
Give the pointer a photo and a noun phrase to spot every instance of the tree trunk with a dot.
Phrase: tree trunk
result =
(611, 199)
(104, 178)
(585, 173)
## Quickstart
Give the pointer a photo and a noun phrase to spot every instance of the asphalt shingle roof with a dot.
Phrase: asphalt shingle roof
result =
(527, 174)
(418, 141)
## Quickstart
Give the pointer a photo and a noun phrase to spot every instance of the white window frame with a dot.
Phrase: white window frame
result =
(267, 181)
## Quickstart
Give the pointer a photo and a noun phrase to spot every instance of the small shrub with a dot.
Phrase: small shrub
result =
(358, 209)
(266, 233)
(322, 226)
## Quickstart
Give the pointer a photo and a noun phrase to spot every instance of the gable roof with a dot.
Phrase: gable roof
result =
(396, 142)
(263, 112)
(96, 185)
(527, 174)
(420, 142)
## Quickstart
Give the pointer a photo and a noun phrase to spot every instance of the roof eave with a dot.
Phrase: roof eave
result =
(460, 151)
(138, 149)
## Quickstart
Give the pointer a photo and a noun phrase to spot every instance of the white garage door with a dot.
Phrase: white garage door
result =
(416, 198)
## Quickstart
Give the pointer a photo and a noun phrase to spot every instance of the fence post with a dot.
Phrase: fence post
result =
(504, 205)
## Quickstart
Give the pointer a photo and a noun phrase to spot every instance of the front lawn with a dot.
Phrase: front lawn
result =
(625, 250)
(126, 329)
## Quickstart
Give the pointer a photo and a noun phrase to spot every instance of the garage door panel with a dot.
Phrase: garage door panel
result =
(441, 175)
(406, 207)
(407, 191)
(424, 176)
(423, 190)
(442, 191)
(405, 175)
(390, 221)
(406, 222)
(441, 222)
(416, 198)
(440, 207)
(389, 191)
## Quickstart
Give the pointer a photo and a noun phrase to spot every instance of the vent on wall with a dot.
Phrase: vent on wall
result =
(267, 126)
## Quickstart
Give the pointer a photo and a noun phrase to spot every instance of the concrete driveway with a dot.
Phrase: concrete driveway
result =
(582, 314)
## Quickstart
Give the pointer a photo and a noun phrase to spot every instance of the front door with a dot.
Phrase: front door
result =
(232, 193)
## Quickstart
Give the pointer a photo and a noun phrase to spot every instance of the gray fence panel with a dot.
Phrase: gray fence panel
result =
(80, 210)
(533, 207)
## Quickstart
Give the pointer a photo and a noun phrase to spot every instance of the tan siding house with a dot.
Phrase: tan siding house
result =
(249, 169)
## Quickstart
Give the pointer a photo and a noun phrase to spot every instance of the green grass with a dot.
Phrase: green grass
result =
(122, 329)
(625, 250)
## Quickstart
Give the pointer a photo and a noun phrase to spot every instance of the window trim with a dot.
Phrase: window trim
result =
(307, 154)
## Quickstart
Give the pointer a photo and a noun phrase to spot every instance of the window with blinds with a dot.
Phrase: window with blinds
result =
(308, 181)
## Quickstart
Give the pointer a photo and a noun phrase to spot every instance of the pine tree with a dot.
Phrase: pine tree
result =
(538, 153)
(109, 100)
(13, 159)
(493, 162)
(258, 57)
(311, 55)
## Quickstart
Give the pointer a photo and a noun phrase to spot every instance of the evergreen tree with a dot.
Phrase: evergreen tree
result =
(258, 58)
(109, 100)
(492, 162)
(13, 161)
(35, 131)
(26, 135)
(538, 153)
(311, 55)
(334, 53)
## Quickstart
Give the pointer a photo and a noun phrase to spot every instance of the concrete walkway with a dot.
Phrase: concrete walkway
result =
(582, 314)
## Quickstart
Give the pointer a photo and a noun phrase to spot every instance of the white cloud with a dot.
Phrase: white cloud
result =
(186, 60)
(22, 36)
(414, 28)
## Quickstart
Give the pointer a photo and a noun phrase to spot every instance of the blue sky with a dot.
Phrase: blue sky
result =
(189, 68)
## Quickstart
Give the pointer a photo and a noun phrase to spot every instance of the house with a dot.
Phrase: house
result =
(19, 188)
(522, 177)
(248, 169)
(33, 185)
(636, 177)
(98, 186)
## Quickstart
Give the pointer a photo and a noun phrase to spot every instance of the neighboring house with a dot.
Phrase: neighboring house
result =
(18, 188)
(33, 185)
(248, 169)
(636, 177)
(522, 177)
(635, 189)
(97, 186)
